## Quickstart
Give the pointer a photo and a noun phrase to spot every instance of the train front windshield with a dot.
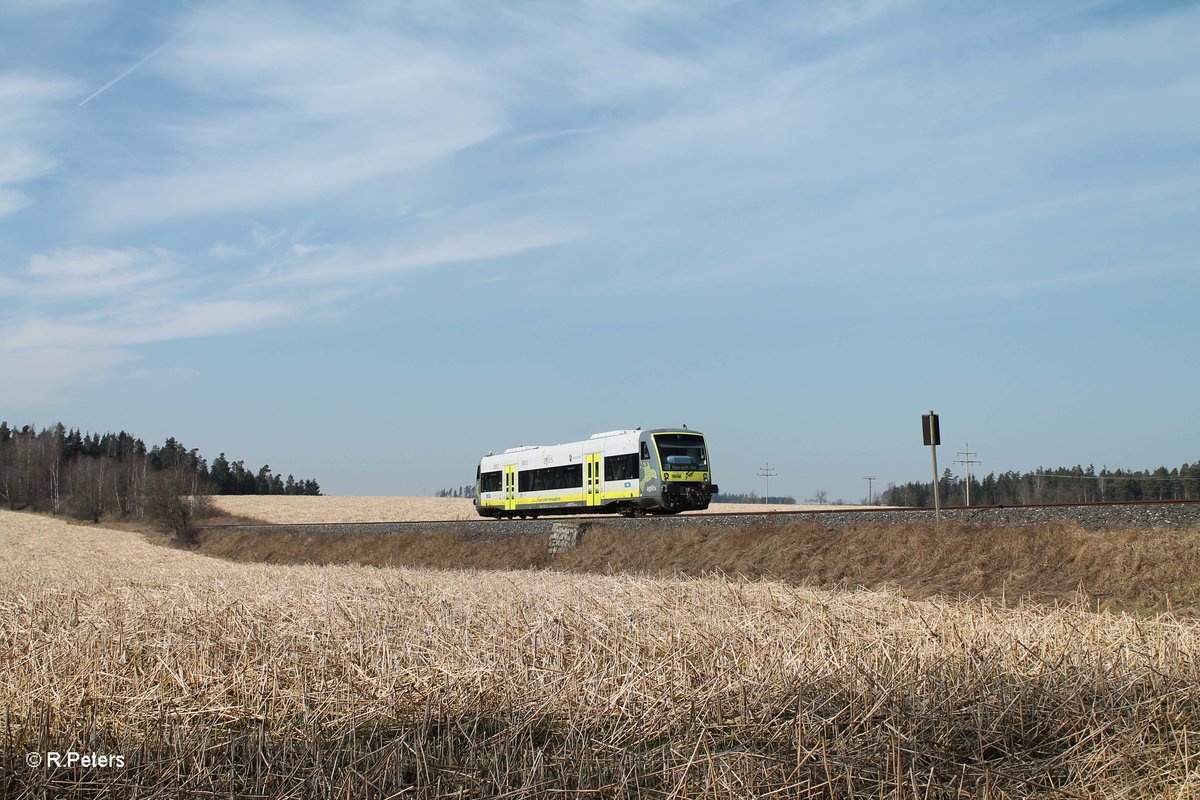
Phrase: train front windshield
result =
(681, 451)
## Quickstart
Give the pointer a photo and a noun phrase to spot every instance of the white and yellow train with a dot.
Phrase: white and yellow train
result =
(661, 471)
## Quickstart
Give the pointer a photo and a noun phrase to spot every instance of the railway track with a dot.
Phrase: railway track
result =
(1164, 513)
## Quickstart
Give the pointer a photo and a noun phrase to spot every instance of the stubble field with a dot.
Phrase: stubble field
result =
(231, 679)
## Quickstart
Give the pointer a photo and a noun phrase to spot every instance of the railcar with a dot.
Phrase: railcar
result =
(629, 472)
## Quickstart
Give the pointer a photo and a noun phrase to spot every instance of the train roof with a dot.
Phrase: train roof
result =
(602, 435)
(607, 434)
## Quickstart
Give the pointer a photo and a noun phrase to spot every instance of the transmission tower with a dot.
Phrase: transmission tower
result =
(767, 473)
(869, 479)
(967, 462)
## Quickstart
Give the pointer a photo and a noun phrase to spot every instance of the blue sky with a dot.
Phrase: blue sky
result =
(368, 243)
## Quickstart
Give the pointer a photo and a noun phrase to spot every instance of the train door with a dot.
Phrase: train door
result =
(510, 488)
(593, 473)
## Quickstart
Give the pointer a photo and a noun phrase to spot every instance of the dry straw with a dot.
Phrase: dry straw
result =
(221, 679)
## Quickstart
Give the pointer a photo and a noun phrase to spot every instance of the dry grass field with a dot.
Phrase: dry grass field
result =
(295, 510)
(1142, 570)
(211, 678)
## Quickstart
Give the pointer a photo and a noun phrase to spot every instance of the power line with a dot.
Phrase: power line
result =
(968, 462)
(766, 472)
(869, 479)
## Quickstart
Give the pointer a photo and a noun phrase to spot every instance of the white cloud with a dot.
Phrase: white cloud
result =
(49, 374)
(351, 265)
(307, 156)
(95, 271)
(116, 325)
(76, 315)
(257, 182)
(11, 200)
(904, 153)
(47, 358)
(841, 16)
(293, 109)
(214, 317)
(26, 117)
(1077, 280)
(20, 163)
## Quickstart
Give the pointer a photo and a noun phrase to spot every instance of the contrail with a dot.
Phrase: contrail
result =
(132, 69)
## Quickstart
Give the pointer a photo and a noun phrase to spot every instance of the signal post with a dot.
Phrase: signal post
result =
(933, 437)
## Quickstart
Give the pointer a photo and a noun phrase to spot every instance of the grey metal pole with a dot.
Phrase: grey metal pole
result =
(968, 455)
(967, 462)
(767, 473)
(937, 504)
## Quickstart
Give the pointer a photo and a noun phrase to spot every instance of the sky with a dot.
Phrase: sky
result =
(368, 242)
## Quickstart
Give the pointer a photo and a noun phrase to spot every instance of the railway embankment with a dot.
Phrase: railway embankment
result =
(1142, 557)
(1089, 517)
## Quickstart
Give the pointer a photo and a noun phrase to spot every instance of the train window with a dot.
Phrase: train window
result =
(681, 451)
(645, 452)
(621, 468)
(572, 476)
(489, 482)
(569, 476)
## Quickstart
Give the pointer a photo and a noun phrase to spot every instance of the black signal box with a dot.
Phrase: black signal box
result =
(930, 429)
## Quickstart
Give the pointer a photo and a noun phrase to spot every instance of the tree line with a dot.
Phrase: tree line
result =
(1061, 485)
(89, 475)
(751, 497)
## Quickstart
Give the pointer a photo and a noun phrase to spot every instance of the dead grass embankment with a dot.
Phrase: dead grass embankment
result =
(1146, 570)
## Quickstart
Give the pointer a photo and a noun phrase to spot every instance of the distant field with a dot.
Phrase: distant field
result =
(213, 678)
(297, 510)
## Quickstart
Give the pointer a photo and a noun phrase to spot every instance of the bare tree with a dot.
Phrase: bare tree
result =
(87, 488)
(174, 500)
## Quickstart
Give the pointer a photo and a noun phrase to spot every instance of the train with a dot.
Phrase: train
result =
(627, 472)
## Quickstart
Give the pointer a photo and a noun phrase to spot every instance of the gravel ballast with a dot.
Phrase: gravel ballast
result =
(1090, 517)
